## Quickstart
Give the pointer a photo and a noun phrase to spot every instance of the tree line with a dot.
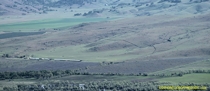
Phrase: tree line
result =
(181, 73)
(97, 86)
(47, 74)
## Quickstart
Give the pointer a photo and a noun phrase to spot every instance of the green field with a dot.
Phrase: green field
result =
(80, 52)
(48, 24)
(199, 65)
(89, 78)
(200, 78)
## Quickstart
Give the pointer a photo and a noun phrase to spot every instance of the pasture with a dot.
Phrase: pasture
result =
(45, 24)
(18, 34)
(26, 65)
(80, 52)
(197, 65)
(95, 78)
(200, 78)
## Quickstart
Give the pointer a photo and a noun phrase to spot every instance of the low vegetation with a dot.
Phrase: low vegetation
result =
(18, 34)
(58, 80)
(104, 45)
(43, 25)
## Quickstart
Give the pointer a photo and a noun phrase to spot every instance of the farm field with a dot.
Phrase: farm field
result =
(18, 34)
(127, 67)
(96, 43)
(83, 79)
(81, 52)
(188, 78)
(197, 65)
(45, 24)
(27, 65)
(112, 45)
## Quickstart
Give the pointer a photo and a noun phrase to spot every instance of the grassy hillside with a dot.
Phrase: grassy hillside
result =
(134, 45)
(127, 39)
(131, 45)
(107, 8)
(80, 52)
(130, 39)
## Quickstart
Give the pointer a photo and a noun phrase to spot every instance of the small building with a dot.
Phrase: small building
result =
(82, 86)
(33, 58)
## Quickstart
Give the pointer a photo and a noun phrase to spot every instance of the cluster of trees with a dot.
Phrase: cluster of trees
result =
(43, 74)
(6, 56)
(171, 1)
(46, 74)
(93, 12)
(13, 56)
(77, 14)
(88, 86)
(96, 86)
(198, 1)
(71, 2)
(182, 73)
(36, 2)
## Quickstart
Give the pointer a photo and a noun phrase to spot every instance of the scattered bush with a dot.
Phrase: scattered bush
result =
(77, 14)
(23, 14)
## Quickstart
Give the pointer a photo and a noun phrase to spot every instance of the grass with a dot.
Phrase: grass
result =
(14, 83)
(200, 78)
(89, 78)
(80, 52)
(14, 62)
(198, 65)
(18, 34)
(47, 24)
(6, 51)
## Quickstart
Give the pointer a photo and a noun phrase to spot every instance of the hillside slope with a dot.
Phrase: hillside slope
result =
(106, 7)
(22, 7)
(138, 38)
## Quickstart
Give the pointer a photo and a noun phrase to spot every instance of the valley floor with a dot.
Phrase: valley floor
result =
(112, 53)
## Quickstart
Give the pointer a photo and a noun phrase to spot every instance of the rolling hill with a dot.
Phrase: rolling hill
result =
(134, 45)
(125, 39)
(107, 7)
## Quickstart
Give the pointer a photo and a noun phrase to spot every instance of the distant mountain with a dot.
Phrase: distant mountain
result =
(71, 2)
(117, 7)
(16, 7)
